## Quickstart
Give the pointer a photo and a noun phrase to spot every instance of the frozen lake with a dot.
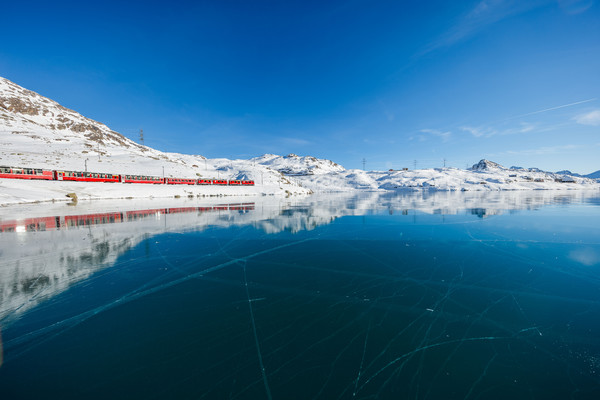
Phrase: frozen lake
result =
(491, 295)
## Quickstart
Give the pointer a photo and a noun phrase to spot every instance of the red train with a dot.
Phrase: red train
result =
(53, 175)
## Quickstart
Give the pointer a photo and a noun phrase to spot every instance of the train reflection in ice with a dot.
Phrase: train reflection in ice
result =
(74, 221)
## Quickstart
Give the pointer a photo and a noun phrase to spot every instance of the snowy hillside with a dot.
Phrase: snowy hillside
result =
(40, 133)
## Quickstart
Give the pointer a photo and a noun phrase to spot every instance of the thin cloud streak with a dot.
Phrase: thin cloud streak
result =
(545, 150)
(479, 131)
(551, 109)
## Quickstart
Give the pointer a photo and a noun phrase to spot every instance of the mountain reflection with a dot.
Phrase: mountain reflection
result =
(45, 255)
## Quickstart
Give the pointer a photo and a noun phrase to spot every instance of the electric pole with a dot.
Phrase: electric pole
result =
(415, 164)
(444, 163)
(142, 136)
(364, 161)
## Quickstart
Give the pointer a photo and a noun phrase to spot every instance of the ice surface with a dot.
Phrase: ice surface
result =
(375, 296)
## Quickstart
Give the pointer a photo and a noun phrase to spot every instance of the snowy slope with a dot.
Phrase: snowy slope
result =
(593, 175)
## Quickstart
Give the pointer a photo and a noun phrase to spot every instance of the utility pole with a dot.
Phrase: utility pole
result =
(415, 164)
(86, 164)
(444, 163)
(142, 136)
(364, 161)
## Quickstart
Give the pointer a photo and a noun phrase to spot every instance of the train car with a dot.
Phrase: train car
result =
(25, 173)
(248, 206)
(247, 183)
(219, 182)
(85, 176)
(178, 210)
(93, 219)
(141, 214)
(235, 183)
(142, 179)
(31, 225)
(205, 181)
(179, 181)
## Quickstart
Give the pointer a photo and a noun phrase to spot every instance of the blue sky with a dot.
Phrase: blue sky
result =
(392, 82)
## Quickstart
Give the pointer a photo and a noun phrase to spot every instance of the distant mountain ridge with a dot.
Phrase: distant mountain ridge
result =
(486, 165)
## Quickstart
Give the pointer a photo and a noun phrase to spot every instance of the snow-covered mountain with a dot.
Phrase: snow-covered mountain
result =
(486, 165)
(293, 164)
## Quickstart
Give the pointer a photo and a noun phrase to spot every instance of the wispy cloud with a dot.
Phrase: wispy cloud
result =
(496, 128)
(486, 131)
(545, 150)
(485, 13)
(445, 136)
(575, 6)
(295, 141)
(590, 118)
(478, 131)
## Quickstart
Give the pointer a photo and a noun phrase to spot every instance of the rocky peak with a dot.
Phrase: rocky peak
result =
(485, 165)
